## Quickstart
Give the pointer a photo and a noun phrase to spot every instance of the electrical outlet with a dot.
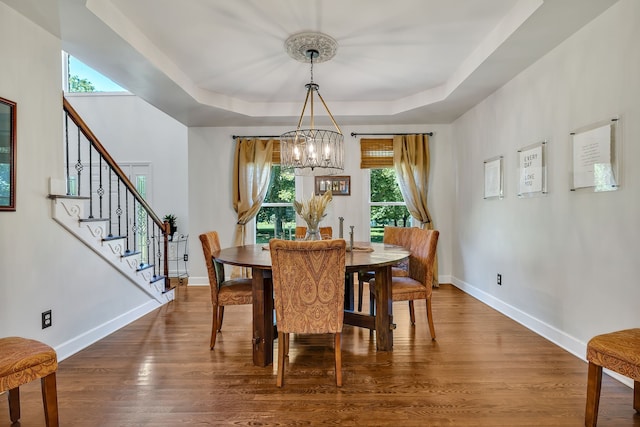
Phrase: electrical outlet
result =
(499, 279)
(47, 320)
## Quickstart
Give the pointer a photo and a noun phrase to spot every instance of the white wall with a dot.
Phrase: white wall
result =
(42, 267)
(133, 131)
(210, 204)
(569, 260)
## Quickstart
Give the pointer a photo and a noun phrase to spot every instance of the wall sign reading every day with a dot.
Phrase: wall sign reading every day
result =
(532, 170)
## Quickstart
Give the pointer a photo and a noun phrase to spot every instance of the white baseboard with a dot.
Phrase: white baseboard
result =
(83, 341)
(553, 334)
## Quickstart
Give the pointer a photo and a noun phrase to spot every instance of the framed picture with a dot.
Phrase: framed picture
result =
(7, 155)
(595, 157)
(493, 178)
(532, 170)
(339, 185)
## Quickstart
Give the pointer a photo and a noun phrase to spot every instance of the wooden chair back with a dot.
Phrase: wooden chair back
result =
(215, 270)
(423, 246)
(400, 236)
(308, 285)
(325, 232)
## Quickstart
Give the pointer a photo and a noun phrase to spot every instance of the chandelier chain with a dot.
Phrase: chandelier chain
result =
(312, 55)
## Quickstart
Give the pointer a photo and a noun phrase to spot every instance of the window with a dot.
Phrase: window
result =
(386, 205)
(276, 217)
(80, 78)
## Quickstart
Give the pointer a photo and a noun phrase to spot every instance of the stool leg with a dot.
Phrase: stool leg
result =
(14, 404)
(594, 382)
(50, 399)
(636, 396)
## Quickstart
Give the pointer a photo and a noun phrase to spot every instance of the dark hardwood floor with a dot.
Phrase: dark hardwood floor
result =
(483, 370)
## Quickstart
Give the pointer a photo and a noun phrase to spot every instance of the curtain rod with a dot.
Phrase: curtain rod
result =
(354, 134)
(254, 136)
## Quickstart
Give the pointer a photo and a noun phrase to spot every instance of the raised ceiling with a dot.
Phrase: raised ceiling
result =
(223, 62)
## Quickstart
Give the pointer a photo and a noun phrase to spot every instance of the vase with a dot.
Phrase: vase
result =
(313, 232)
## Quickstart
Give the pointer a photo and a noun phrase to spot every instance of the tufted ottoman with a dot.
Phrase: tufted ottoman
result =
(620, 352)
(21, 361)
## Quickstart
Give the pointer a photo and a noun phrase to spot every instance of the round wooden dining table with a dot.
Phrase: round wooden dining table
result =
(378, 257)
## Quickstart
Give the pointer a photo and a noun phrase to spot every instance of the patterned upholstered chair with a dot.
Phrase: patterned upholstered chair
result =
(418, 285)
(21, 361)
(325, 232)
(223, 292)
(308, 285)
(620, 352)
(400, 236)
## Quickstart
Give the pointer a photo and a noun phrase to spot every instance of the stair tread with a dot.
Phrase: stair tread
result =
(93, 219)
(144, 267)
(130, 253)
(108, 238)
(157, 278)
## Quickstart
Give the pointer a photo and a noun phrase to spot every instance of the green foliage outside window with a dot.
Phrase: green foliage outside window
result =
(277, 220)
(76, 84)
(385, 189)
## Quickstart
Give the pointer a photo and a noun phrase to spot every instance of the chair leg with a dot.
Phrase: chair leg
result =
(636, 396)
(412, 313)
(594, 382)
(220, 316)
(360, 289)
(214, 327)
(14, 404)
(50, 399)
(286, 345)
(432, 328)
(282, 343)
(338, 354)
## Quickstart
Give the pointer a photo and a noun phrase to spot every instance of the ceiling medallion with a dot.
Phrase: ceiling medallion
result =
(299, 44)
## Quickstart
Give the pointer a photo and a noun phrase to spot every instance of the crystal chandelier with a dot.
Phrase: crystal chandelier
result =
(312, 151)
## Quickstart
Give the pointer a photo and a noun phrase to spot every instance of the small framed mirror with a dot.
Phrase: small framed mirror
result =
(7, 155)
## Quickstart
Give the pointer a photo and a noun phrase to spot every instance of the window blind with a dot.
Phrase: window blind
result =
(275, 156)
(376, 153)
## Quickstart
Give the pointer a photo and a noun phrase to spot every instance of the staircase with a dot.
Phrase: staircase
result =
(103, 209)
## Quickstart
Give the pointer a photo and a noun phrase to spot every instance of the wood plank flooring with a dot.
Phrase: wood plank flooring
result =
(483, 370)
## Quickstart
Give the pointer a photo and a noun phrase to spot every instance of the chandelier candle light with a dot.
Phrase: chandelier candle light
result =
(312, 151)
(312, 212)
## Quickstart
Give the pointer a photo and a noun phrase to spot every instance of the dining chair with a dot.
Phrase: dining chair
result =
(325, 232)
(223, 292)
(308, 285)
(23, 360)
(400, 236)
(418, 284)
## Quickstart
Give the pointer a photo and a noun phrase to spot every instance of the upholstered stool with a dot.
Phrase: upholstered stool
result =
(619, 352)
(21, 361)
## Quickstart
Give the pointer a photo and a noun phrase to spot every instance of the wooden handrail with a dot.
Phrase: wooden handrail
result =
(75, 117)
(164, 226)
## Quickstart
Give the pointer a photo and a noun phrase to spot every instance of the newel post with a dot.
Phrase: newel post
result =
(165, 233)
